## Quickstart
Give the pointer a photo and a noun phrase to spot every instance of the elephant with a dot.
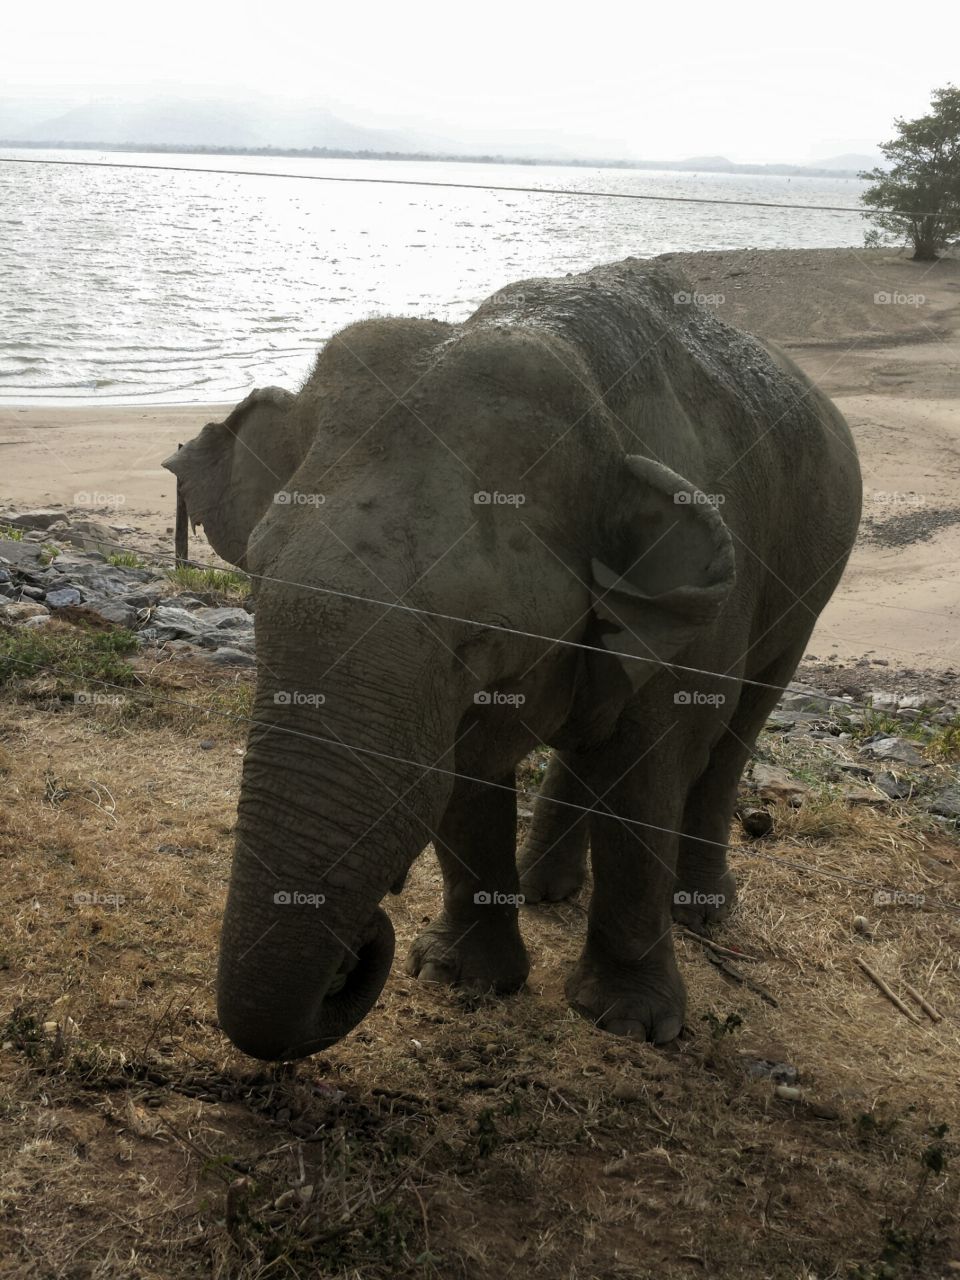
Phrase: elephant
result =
(592, 516)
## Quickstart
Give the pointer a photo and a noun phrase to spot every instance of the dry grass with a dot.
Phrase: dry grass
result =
(446, 1138)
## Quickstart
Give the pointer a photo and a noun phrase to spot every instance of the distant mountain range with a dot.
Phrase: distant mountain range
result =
(277, 127)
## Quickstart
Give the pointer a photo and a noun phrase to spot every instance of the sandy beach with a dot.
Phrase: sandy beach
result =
(879, 332)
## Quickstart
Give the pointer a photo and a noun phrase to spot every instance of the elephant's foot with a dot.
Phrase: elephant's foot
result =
(700, 900)
(645, 1001)
(551, 876)
(470, 955)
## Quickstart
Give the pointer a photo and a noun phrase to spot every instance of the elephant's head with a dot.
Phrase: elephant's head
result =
(364, 709)
(230, 473)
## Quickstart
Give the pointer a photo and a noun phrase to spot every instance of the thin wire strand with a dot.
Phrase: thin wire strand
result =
(483, 782)
(528, 635)
(476, 186)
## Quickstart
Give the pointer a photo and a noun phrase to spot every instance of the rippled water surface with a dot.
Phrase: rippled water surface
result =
(193, 287)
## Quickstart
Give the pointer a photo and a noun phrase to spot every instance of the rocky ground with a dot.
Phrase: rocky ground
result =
(881, 726)
(80, 569)
(802, 1126)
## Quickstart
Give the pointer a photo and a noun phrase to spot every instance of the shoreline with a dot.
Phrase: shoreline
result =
(890, 369)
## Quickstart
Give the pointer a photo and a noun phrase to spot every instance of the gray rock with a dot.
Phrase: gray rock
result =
(63, 597)
(895, 788)
(881, 701)
(115, 611)
(40, 519)
(144, 599)
(171, 623)
(19, 554)
(781, 1072)
(900, 750)
(227, 657)
(807, 699)
(225, 618)
(184, 602)
(90, 533)
(226, 640)
(39, 620)
(32, 593)
(947, 803)
(858, 770)
(21, 610)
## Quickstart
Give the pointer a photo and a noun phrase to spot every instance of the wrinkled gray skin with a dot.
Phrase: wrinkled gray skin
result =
(613, 409)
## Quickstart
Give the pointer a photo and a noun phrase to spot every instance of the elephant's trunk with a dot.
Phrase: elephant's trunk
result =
(323, 832)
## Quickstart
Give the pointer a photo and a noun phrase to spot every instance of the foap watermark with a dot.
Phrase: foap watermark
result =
(98, 699)
(893, 298)
(297, 698)
(294, 898)
(697, 698)
(685, 299)
(494, 898)
(294, 498)
(98, 499)
(97, 899)
(684, 898)
(509, 298)
(494, 498)
(897, 898)
(494, 698)
(696, 498)
(894, 498)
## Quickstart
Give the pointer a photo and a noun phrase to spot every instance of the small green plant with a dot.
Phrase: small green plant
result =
(945, 744)
(48, 553)
(10, 533)
(731, 1023)
(124, 560)
(78, 658)
(226, 582)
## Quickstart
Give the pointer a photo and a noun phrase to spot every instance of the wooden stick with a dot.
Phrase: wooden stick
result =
(895, 999)
(181, 532)
(715, 946)
(927, 1008)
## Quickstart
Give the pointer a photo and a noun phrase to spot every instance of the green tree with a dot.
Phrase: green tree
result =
(918, 198)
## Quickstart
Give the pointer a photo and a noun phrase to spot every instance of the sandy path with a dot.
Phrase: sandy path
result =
(105, 461)
(893, 370)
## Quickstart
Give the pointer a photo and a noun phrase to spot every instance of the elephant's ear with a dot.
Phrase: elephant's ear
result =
(673, 569)
(230, 472)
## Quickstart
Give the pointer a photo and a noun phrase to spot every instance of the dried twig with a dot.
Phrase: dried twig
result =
(715, 946)
(927, 1008)
(731, 971)
(891, 996)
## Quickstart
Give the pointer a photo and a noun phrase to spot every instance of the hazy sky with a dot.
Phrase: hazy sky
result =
(754, 80)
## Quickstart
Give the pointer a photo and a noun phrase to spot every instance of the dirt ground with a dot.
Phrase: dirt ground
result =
(447, 1137)
(803, 1128)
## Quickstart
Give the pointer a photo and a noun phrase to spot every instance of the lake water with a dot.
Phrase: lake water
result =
(180, 287)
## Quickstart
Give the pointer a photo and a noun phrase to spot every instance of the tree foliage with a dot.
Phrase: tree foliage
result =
(922, 185)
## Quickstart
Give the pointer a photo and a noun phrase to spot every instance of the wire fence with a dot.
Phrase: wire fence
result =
(538, 796)
(479, 186)
(598, 809)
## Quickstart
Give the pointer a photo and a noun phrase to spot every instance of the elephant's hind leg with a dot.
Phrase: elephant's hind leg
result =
(475, 943)
(706, 889)
(553, 858)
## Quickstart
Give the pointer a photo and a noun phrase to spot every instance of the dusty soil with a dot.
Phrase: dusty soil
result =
(447, 1137)
(454, 1138)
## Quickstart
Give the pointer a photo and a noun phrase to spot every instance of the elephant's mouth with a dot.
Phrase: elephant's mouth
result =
(355, 986)
(281, 1028)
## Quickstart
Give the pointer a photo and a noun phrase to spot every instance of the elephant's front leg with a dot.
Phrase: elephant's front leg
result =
(627, 980)
(476, 943)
